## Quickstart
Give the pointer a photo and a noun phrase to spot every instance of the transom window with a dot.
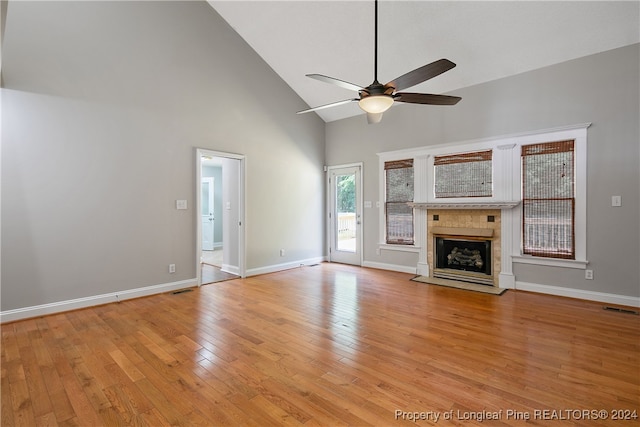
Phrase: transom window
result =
(463, 175)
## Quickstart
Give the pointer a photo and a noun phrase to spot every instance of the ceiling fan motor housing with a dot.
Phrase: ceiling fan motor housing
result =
(376, 98)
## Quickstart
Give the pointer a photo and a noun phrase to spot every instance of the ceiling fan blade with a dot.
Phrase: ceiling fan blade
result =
(374, 118)
(421, 74)
(426, 98)
(322, 107)
(337, 82)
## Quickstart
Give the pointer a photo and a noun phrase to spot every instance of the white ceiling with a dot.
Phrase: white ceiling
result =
(487, 40)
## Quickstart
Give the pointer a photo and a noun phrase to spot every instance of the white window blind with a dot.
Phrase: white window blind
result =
(399, 191)
(548, 188)
(463, 175)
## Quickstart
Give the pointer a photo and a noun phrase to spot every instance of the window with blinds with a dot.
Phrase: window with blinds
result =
(463, 175)
(548, 191)
(399, 191)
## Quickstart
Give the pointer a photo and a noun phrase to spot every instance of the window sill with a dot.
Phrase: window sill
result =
(399, 248)
(466, 204)
(550, 262)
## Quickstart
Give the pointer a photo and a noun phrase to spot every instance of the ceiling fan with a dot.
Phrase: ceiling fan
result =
(377, 98)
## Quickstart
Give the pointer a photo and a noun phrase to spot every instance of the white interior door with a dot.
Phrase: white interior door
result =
(207, 214)
(345, 215)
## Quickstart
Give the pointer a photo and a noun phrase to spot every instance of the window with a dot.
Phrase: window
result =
(399, 191)
(548, 198)
(463, 175)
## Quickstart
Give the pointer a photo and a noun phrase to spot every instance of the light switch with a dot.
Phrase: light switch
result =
(181, 204)
(616, 200)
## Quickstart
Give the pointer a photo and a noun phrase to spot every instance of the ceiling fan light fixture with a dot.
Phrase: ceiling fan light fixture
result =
(376, 104)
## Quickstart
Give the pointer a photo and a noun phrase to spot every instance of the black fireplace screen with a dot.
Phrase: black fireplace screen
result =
(467, 255)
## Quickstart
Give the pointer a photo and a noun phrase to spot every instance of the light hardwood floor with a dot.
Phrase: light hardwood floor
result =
(326, 345)
(211, 267)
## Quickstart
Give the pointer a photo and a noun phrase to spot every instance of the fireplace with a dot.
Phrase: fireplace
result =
(463, 259)
(467, 253)
(473, 223)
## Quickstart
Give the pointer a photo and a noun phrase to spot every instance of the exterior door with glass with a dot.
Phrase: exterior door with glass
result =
(345, 215)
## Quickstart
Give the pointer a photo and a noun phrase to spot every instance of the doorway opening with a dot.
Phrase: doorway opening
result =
(345, 213)
(220, 208)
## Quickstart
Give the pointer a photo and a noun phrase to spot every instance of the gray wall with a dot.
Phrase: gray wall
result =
(602, 89)
(103, 107)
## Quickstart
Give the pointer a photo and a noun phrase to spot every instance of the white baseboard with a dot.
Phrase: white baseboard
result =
(232, 269)
(284, 266)
(423, 269)
(579, 293)
(74, 304)
(390, 267)
(507, 281)
(78, 303)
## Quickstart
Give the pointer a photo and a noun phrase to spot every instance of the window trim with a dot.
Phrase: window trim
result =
(579, 136)
(498, 193)
(382, 220)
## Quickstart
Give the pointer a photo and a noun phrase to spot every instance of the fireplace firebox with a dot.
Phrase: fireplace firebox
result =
(463, 259)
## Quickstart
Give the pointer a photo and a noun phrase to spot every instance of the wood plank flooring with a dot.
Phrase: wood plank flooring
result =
(327, 345)
(213, 274)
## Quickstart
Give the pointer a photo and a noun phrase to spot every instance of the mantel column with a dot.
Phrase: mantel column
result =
(505, 157)
(421, 178)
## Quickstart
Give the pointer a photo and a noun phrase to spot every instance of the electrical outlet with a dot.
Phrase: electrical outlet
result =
(172, 268)
(281, 252)
(588, 274)
(616, 201)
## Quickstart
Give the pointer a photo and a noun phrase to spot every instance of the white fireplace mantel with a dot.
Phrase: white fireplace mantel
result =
(509, 215)
(466, 205)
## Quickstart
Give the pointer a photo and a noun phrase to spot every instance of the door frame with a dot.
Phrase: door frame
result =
(199, 153)
(359, 208)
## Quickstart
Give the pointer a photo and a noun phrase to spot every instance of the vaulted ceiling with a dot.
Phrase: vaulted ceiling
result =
(488, 40)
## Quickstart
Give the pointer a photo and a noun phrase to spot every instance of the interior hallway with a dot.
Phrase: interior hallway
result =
(211, 265)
